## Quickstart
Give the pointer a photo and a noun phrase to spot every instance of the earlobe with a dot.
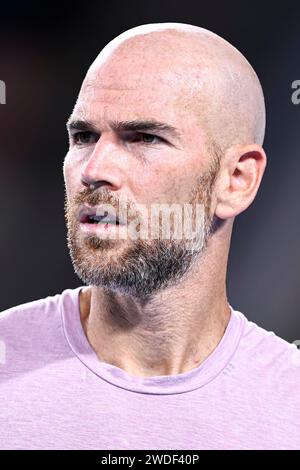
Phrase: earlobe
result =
(242, 173)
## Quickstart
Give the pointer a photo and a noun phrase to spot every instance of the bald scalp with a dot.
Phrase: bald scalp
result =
(212, 78)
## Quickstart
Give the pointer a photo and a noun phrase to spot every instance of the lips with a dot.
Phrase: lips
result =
(98, 215)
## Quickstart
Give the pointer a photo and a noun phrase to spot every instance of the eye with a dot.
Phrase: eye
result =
(145, 138)
(84, 138)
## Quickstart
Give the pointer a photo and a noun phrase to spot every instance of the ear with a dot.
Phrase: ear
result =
(241, 172)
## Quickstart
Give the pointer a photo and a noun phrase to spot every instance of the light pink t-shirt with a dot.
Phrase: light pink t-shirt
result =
(56, 394)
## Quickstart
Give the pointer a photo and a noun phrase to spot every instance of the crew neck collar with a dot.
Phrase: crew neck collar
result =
(201, 375)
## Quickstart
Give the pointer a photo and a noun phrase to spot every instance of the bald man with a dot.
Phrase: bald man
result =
(165, 151)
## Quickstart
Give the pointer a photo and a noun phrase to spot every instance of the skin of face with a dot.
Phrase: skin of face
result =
(207, 149)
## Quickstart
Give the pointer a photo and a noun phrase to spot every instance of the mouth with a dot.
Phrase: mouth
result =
(97, 216)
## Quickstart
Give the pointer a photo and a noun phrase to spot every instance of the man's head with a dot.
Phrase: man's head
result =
(167, 114)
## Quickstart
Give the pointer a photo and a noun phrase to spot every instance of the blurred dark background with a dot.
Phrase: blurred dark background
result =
(45, 51)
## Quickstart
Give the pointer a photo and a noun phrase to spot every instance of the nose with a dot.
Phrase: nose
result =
(103, 166)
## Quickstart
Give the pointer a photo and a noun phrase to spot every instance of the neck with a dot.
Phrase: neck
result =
(170, 333)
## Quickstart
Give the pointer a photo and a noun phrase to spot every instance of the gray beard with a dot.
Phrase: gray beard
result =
(142, 269)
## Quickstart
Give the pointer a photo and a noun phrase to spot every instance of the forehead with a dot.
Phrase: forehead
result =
(124, 89)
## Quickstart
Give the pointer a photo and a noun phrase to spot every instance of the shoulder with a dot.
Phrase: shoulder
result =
(266, 356)
(36, 324)
(266, 344)
(28, 309)
(35, 310)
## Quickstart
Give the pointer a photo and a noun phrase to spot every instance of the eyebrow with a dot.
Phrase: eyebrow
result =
(144, 125)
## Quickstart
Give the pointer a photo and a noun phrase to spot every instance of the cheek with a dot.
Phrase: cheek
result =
(162, 184)
(175, 183)
(70, 175)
